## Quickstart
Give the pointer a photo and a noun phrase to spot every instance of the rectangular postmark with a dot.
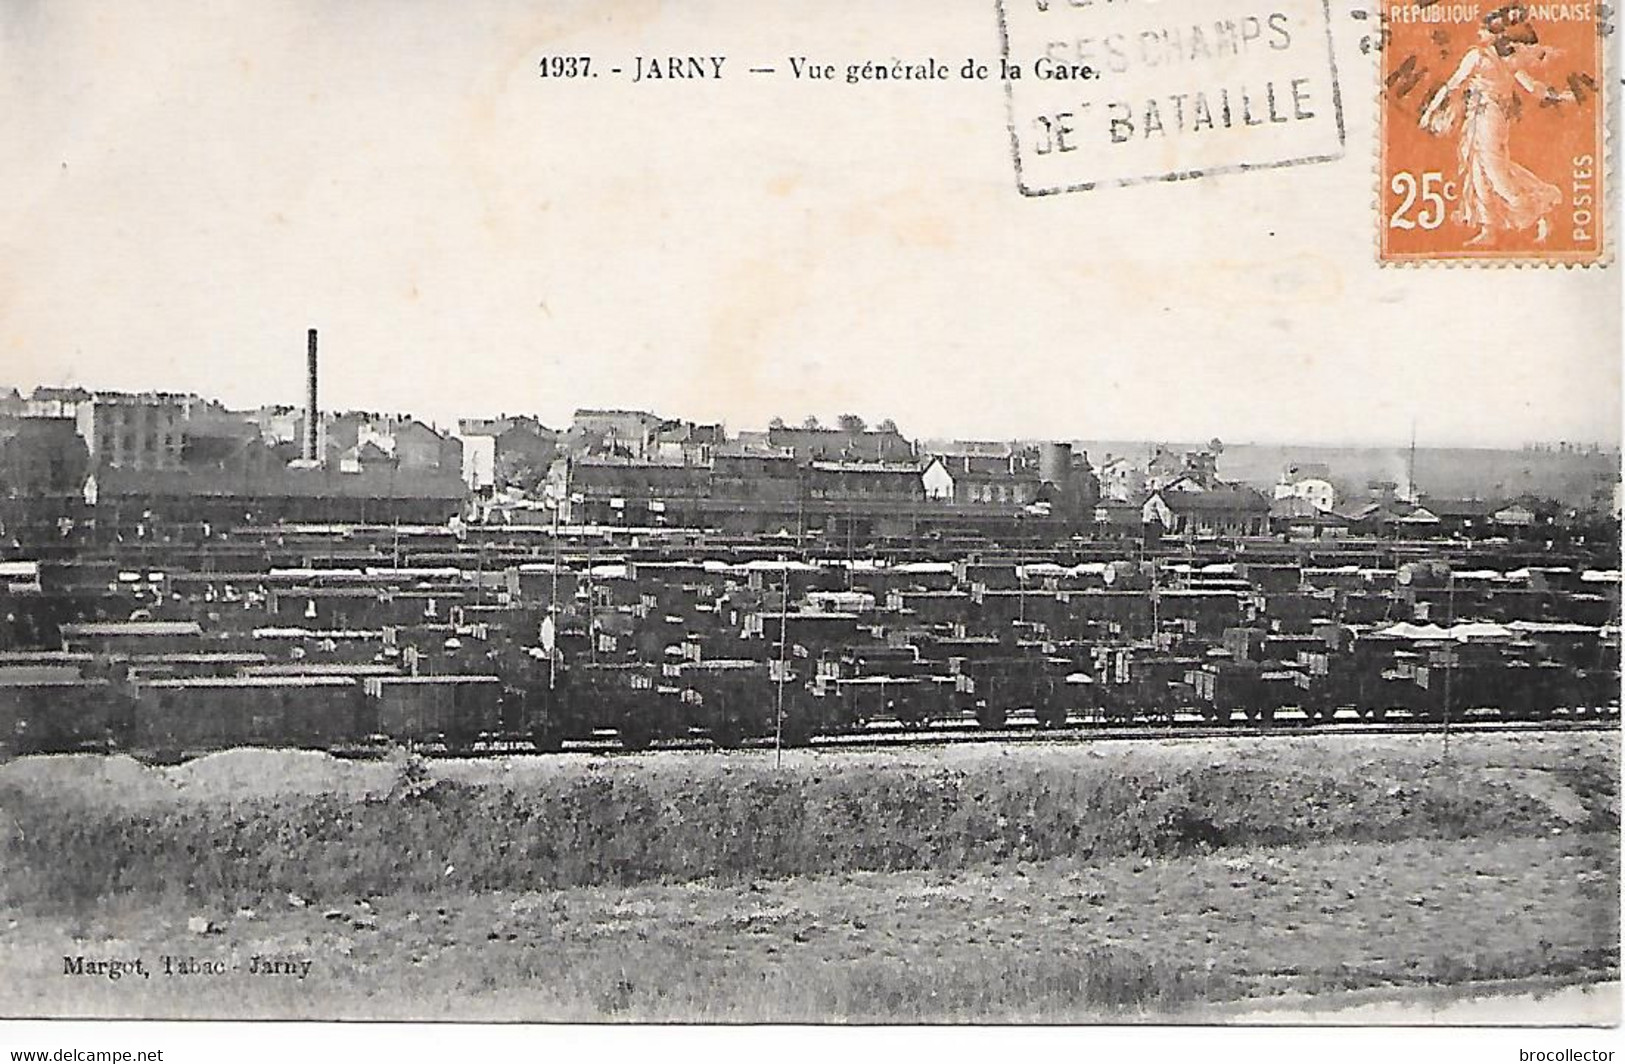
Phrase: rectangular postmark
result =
(1125, 92)
(1491, 134)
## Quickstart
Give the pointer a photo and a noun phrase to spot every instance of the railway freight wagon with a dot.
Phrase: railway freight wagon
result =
(1225, 687)
(540, 709)
(36, 621)
(175, 717)
(132, 637)
(1123, 614)
(1381, 676)
(630, 699)
(455, 710)
(1596, 691)
(1000, 685)
(1203, 613)
(55, 711)
(1538, 689)
(1141, 682)
(1459, 681)
(731, 699)
(995, 609)
(1258, 690)
(1272, 578)
(728, 699)
(910, 700)
(170, 666)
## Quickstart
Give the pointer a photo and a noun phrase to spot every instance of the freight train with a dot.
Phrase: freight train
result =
(346, 638)
(542, 705)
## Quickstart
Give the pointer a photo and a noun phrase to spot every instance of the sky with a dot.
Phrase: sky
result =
(189, 186)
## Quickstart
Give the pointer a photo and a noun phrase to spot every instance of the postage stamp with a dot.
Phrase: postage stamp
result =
(1491, 135)
(1124, 92)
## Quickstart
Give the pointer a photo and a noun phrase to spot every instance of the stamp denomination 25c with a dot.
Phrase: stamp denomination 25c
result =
(1123, 92)
(1491, 135)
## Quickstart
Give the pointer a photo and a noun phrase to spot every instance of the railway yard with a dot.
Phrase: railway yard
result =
(178, 641)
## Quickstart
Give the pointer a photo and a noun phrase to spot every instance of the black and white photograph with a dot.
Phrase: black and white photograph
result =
(1018, 518)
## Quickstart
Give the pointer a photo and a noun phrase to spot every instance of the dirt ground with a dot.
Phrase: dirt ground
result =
(1470, 751)
(1120, 940)
(1516, 1003)
(1458, 900)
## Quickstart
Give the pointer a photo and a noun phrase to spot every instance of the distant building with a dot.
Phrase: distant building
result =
(278, 424)
(214, 437)
(192, 459)
(687, 442)
(1163, 466)
(1463, 516)
(522, 457)
(630, 433)
(1166, 466)
(401, 439)
(864, 481)
(1220, 511)
(505, 442)
(1120, 479)
(1116, 517)
(55, 402)
(842, 445)
(1298, 518)
(755, 474)
(252, 492)
(607, 490)
(130, 431)
(417, 447)
(949, 449)
(1389, 515)
(496, 426)
(1318, 493)
(1516, 515)
(967, 481)
(41, 456)
(479, 461)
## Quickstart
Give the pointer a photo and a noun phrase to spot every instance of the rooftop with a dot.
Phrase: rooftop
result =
(1224, 498)
(867, 467)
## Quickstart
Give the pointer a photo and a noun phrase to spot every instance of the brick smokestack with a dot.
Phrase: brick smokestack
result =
(312, 419)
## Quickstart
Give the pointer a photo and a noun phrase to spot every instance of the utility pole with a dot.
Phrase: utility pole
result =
(592, 605)
(849, 548)
(1156, 600)
(554, 614)
(1450, 657)
(784, 624)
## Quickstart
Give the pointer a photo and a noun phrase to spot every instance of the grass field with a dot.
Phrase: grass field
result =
(1056, 883)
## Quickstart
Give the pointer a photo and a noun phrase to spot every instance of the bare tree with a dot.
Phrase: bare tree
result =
(811, 422)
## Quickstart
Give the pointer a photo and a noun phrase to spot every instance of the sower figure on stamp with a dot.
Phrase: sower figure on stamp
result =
(1497, 194)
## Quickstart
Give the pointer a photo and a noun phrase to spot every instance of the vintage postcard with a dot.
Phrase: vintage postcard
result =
(533, 513)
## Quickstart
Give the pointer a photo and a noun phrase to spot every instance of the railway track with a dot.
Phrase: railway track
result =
(1202, 731)
(888, 737)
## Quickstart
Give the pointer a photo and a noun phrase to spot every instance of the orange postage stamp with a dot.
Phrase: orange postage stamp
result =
(1492, 132)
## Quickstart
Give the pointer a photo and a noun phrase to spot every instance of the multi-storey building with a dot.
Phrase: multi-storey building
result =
(142, 431)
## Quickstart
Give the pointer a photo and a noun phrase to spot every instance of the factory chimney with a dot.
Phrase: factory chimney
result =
(312, 417)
